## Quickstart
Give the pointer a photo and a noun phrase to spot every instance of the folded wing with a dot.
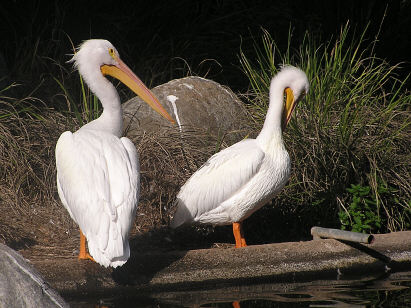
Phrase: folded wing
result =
(224, 174)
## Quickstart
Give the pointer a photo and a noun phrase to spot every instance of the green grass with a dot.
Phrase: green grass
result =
(10, 106)
(89, 107)
(352, 128)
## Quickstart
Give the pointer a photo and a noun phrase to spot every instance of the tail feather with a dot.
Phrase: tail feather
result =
(116, 252)
(182, 215)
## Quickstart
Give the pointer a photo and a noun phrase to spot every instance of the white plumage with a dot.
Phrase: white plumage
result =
(97, 170)
(98, 183)
(240, 179)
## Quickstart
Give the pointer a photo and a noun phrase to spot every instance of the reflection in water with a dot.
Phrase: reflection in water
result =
(391, 291)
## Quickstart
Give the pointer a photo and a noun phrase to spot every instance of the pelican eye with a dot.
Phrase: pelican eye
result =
(112, 53)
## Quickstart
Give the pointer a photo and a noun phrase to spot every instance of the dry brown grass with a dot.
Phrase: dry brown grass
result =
(31, 213)
(167, 160)
(33, 219)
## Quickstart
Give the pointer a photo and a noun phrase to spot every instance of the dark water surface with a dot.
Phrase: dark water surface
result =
(392, 290)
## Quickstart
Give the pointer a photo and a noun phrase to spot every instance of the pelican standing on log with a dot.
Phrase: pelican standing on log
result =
(240, 179)
(97, 170)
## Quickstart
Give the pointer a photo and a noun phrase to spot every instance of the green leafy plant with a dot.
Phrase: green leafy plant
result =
(362, 213)
(365, 212)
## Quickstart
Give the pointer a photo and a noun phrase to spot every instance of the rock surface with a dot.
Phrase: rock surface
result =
(193, 102)
(21, 285)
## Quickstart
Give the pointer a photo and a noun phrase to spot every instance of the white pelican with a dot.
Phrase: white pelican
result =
(97, 170)
(240, 179)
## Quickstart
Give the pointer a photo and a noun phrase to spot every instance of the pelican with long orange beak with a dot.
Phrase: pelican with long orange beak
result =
(240, 179)
(97, 169)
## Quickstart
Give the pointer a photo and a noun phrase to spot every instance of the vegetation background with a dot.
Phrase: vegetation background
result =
(214, 39)
(160, 39)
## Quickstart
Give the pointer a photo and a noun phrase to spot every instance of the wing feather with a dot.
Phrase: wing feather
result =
(217, 180)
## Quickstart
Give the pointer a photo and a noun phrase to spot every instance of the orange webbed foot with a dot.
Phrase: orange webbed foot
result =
(86, 256)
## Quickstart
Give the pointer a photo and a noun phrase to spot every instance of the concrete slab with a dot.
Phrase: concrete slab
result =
(195, 269)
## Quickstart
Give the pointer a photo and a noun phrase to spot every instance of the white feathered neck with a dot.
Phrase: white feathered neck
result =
(92, 54)
(288, 77)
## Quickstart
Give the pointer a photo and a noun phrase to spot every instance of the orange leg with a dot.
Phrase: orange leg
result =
(83, 254)
(238, 235)
(236, 304)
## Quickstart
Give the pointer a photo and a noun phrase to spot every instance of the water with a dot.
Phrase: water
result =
(389, 291)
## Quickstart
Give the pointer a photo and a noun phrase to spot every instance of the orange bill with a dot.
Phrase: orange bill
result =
(290, 104)
(123, 73)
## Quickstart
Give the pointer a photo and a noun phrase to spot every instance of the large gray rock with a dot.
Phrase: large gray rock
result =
(21, 285)
(194, 102)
